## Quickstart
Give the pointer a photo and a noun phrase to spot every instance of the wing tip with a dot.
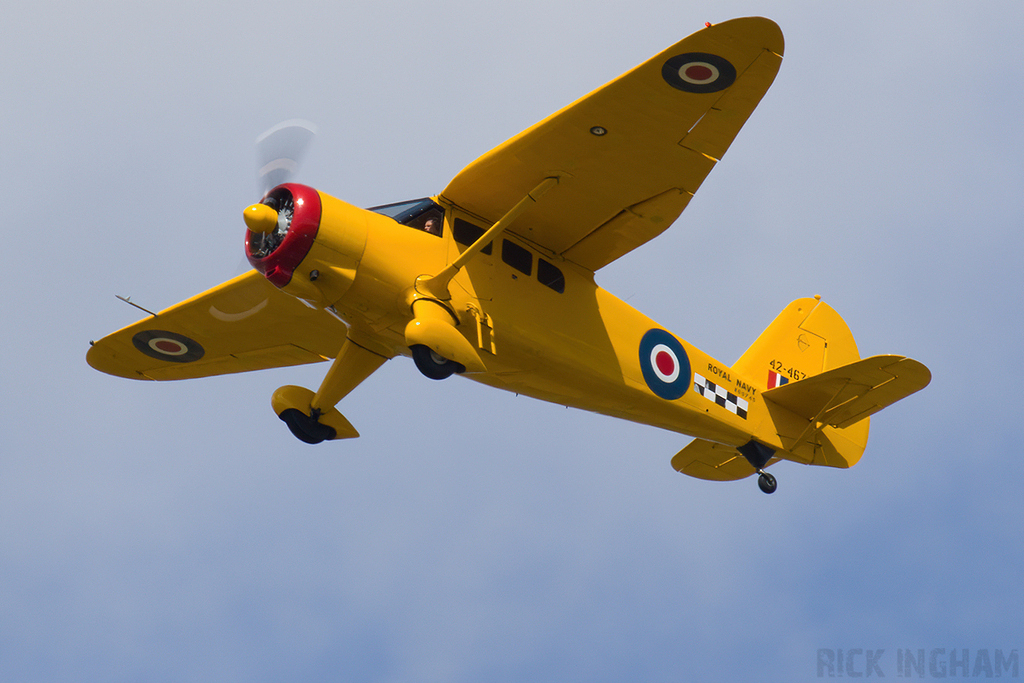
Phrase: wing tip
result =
(913, 371)
(758, 29)
(102, 357)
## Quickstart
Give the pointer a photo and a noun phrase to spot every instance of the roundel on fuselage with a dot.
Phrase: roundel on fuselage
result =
(664, 363)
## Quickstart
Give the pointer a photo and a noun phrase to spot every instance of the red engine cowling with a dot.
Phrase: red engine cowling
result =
(278, 253)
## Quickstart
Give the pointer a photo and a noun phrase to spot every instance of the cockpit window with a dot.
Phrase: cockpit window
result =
(422, 214)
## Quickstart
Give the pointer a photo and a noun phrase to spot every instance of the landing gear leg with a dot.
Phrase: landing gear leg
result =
(758, 455)
(352, 365)
(312, 417)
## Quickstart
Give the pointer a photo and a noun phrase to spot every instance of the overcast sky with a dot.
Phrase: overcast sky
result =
(178, 532)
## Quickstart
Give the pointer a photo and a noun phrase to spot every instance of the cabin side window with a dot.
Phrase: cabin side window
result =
(520, 258)
(516, 256)
(550, 275)
(465, 233)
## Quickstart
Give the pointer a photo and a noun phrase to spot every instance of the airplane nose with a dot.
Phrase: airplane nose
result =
(260, 218)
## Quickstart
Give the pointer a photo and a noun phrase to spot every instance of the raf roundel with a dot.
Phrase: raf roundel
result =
(170, 346)
(664, 364)
(698, 72)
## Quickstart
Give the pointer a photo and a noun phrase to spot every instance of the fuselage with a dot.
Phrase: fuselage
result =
(541, 324)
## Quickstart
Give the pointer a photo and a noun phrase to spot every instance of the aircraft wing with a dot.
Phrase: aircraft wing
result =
(630, 154)
(244, 324)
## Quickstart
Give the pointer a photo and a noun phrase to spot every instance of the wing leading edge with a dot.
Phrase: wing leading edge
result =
(631, 154)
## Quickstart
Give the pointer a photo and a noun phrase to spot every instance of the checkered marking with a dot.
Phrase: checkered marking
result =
(712, 392)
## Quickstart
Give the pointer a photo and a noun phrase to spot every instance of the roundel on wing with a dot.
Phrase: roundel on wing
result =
(664, 363)
(698, 72)
(170, 346)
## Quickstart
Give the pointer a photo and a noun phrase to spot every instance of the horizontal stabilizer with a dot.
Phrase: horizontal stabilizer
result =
(846, 395)
(710, 460)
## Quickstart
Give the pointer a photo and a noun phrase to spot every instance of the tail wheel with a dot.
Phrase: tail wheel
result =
(432, 364)
(767, 483)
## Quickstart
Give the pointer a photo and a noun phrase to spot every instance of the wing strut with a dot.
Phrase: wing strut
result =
(436, 287)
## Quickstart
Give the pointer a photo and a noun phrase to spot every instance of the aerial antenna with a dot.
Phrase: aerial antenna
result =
(128, 300)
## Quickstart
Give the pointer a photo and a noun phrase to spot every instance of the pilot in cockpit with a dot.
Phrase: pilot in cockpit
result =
(432, 225)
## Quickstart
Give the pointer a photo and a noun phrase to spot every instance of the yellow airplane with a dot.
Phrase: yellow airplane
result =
(494, 279)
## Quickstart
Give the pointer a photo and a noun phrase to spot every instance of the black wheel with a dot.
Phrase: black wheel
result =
(433, 365)
(306, 428)
(767, 483)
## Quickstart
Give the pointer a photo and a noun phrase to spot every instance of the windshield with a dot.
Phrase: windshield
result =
(422, 214)
(403, 212)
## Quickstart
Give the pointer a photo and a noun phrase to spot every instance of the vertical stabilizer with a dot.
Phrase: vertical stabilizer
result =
(806, 339)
